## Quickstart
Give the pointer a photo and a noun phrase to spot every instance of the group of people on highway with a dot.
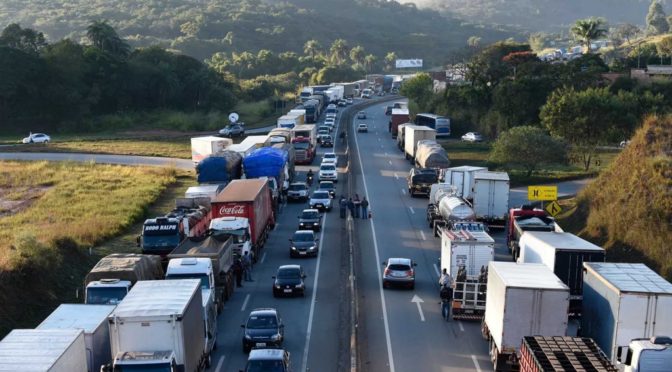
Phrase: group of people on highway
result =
(242, 267)
(358, 208)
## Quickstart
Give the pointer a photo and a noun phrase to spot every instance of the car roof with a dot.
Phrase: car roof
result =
(266, 354)
(264, 311)
(330, 153)
(320, 192)
(399, 261)
(298, 183)
(327, 183)
(288, 267)
(310, 210)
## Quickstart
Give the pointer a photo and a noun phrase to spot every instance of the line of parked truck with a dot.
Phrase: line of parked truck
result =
(559, 306)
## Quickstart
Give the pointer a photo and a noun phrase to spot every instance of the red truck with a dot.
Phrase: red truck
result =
(304, 141)
(399, 116)
(244, 210)
(526, 218)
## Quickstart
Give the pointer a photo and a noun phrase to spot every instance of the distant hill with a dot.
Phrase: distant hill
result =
(628, 208)
(202, 27)
(546, 15)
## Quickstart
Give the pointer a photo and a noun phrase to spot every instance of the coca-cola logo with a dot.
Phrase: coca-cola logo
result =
(229, 210)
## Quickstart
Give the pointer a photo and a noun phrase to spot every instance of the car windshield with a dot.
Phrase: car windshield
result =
(297, 187)
(301, 145)
(320, 195)
(311, 215)
(326, 138)
(262, 322)
(265, 366)
(362, 125)
(327, 168)
(289, 273)
(154, 367)
(303, 237)
(425, 178)
(330, 156)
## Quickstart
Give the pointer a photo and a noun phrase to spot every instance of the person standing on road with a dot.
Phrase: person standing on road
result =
(446, 280)
(365, 206)
(238, 272)
(351, 207)
(247, 267)
(343, 204)
(357, 204)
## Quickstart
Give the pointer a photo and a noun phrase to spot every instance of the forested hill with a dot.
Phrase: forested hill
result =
(200, 28)
(543, 15)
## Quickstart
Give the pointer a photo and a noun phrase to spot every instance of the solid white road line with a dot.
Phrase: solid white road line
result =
(423, 235)
(390, 357)
(411, 209)
(390, 161)
(436, 269)
(219, 364)
(403, 191)
(478, 367)
(264, 255)
(396, 175)
(460, 324)
(247, 298)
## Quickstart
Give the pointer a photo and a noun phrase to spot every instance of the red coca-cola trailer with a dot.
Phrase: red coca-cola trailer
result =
(251, 199)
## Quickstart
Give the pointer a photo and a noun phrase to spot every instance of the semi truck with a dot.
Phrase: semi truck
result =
(625, 305)
(312, 111)
(279, 135)
(202, 269)
(218, 249)
(92, 319)
(43, 350)
(526, 218)
(401, 136)
(159, 327)
(160, 235)
(112, 277)
(202, 147)
(491, 197)
(445, 208)
(413, 134)
(429, 154)
(561, 353)
(462, 178)
(289, 121)
(564, 253)
(244, 210)
(522, 300)
(291, 161)
(204, 191)
(349, 89)
(465, 255)
(304, 141)
(220, 168)
(399, 116)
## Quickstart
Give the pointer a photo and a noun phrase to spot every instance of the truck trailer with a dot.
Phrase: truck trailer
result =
(159, 326)
(462, 178)
(626, 303)
(112, 277)
(202, 147)
(92, 319)
(491, 197)
(413, 134)
(526, 218)
(558, 353)
(43, 350)
(522, 300)
(304, 141)
(564, 253)
(399, 116)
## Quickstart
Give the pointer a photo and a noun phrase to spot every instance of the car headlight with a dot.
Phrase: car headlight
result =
(299, 285)
(293, 248)
(247, 337)
(276, 337)
(312, 248)
(277, 286)
(315, 224)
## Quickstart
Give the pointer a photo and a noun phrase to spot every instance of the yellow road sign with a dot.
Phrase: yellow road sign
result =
(542, 193)
(553, 208)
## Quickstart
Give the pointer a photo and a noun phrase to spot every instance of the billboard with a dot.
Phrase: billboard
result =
(406, 63)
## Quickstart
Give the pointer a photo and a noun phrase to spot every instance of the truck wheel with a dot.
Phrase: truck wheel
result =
(208, 361)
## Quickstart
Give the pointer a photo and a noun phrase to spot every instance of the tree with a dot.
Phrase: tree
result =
(339, 51)
(626, 31)
(369, 62)
(587, 30)
(390, 60)
(474, 42)
(538, 41)
(357, 55)
(312, 48)
(664, 48)
(656, 22)
(527, 147)
(105, 38)
(24, 39)
(419, 90)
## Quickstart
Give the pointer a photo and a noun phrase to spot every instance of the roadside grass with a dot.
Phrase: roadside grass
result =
(171, 148)
(476, 154)
(258, 114)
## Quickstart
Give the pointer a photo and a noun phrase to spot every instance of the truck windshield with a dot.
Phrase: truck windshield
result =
(205, 280)
(163, 367)
(265, 366)
(425, 178)
(160, 241)
(239, 235)
(105, 295)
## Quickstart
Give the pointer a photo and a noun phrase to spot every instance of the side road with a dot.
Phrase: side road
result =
(183, 164)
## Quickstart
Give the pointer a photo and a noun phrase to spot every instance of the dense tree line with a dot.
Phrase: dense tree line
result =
(61, 85)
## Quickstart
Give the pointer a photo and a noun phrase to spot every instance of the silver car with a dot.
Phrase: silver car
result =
(297, 191)
(399, 272)
(321, 200)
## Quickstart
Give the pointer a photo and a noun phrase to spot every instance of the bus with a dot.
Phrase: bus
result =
(439, 123)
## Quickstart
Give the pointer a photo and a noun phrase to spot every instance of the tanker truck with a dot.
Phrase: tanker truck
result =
(445, 209)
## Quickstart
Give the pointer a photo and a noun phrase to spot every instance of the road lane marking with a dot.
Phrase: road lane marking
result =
(478, 367)
(247, 298)
(396, 175)
(436, 269)
(264, 256)
(403, 191)
(423, 235)
(389, 161)
(411, 209)
(219, 364)
(390, 357)
(460, 324)
(418, 301)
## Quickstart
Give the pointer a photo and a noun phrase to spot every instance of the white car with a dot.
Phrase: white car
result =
(36, 138)
(330, 122)
(297, 191)
(361, 115)
(324, 127)
(349, 101)
(330, 158)
(320, 200)
(362, 127)
(328, 173)
(331, 115)
(472, 137)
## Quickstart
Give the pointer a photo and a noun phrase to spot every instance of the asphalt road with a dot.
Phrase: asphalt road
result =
(103, 159)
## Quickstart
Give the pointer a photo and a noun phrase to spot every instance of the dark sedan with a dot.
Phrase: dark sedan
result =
(263, 328)
(289, 281)
(310, 219)
(303, 243)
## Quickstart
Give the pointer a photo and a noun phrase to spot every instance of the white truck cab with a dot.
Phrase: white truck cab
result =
(646, 355)
(199, 268)
(238, 228)
(106, 291)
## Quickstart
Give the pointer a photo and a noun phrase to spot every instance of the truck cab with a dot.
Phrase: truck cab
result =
(160, 235)
(526, 218)
(133, 361)
(238, 228)
(646, 355)
(201, 269)
(106, 291)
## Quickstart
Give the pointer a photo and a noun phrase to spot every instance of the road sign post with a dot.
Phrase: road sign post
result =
(542, 193)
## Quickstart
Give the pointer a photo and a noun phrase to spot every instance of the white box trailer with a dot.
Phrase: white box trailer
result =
(491, 197)
(202, 147)
(522, 300)
(465, 255)
(204, 191)
(462, 178)
(413, 134)
(43, 350)
(622, 302)
(159, 322)
(92, 319)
